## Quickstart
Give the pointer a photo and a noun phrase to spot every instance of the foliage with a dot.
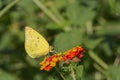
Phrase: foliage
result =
(93, 24)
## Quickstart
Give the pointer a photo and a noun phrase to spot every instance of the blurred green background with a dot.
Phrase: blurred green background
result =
(93, 24)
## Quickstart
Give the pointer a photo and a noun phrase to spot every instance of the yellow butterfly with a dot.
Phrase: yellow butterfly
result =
(35, 43)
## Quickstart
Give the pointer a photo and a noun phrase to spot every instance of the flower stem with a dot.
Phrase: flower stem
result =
(101, 70)
(48, 12)
(73, 74)
(8, 7)
(61, 74)
(98, 60)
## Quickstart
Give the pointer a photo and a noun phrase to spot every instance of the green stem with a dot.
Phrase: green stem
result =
(98, 60)
(73, 74)
(49, 14)
(8, 7)
(101, 70)
(61, 74)
(53, 9)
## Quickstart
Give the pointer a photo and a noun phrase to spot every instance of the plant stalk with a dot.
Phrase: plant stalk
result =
(2, 12)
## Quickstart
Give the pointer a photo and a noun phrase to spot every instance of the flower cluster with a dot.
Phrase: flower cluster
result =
(72, 54)
(50, 61)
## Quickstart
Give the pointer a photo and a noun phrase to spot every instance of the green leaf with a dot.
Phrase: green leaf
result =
(118, 50)
(117, 9)
(67, 40)
(6, 76)
(28, 12)
(79, 72)
(45, 76)
(108, 28)
(114, 72)
(33, 62)
(92, 43)
(111, 3)
(107, 49)
(52, 26)
(78, 14)
(60, 3)
(5, 40)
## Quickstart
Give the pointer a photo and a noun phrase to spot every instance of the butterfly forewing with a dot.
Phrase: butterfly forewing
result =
(35, 43)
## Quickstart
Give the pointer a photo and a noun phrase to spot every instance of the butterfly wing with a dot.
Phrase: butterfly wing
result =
(35, 44)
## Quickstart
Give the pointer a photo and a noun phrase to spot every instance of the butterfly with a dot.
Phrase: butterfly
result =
(35, 44)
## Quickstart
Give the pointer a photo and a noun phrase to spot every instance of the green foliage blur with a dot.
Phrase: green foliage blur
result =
(92, 24)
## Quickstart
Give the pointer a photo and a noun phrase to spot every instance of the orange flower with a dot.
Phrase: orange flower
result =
(50, 61)
(72, 53)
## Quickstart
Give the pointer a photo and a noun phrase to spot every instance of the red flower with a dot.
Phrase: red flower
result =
(72, 53)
